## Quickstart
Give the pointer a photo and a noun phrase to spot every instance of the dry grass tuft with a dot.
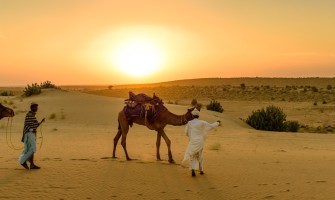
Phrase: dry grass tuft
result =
(215, 147)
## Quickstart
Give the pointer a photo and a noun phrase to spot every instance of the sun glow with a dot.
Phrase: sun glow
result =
(138, 57)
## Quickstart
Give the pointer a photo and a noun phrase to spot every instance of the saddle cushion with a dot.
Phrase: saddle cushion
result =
(139, 110)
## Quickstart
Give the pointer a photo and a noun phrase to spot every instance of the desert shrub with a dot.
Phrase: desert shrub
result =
(47, 84)
(169, 102)
(315, 103)
(256, 88)
(6, 93)
(52, 116)
(329, 87)
(315, 89)
(34, 89)
(324, 102)
(242, 86)
(215, 106)
(215, 147)
(271, 118)
(292, 126)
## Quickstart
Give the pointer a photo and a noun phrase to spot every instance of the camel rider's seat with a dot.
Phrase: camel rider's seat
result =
(143, 106)
(135, 99)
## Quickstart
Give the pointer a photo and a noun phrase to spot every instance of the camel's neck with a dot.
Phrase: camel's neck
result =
(5, 112)
(175, 120)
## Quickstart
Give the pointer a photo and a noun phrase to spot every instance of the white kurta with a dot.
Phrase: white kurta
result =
(196, 130)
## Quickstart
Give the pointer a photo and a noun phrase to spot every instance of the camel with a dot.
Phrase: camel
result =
(5, 112)
(165, 118)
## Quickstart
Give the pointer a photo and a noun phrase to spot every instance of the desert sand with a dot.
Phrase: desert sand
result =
(77, 143)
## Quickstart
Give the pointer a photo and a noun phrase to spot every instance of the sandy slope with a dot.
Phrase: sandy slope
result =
(240, 163)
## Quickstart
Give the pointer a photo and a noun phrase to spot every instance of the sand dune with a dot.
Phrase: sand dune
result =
(240, 162)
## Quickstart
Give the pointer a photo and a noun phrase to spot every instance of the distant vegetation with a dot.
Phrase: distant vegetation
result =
(248, 89)
(6, 93)
(35, 89)
(318, 93)
(47, 84)
(32, 89)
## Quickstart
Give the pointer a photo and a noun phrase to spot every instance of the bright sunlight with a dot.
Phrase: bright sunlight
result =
(138, 57)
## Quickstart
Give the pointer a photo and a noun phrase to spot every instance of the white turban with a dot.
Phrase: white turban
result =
(195, 112)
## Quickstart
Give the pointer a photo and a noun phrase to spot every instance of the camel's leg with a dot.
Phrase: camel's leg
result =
(168, 143)
(124, 139)
(116, 140)
(158, 144)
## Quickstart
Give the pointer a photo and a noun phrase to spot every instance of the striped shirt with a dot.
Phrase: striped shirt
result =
(30, 122)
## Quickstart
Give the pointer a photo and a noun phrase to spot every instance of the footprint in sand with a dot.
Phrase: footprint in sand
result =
(107, 158)
(269, 197)
(54, 159)
(83, 159)
(321, 181)
(262, 184)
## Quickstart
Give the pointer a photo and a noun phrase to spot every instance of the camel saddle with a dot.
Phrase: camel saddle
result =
(143, 106)
(143, 99)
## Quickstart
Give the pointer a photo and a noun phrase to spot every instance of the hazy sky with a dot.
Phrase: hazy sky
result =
(89, 41)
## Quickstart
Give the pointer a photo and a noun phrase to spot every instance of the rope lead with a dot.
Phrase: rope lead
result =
(9, 139)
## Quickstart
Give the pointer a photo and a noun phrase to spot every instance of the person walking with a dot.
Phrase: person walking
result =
(29, 137)
(196, 130)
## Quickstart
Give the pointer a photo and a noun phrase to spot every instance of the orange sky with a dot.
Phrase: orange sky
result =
(71, 42)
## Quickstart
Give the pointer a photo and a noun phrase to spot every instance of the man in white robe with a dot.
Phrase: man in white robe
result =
(196, 130)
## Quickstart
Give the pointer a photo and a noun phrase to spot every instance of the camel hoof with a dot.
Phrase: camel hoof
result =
(172, 161)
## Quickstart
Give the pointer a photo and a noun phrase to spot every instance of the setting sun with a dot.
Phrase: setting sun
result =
(138, 57)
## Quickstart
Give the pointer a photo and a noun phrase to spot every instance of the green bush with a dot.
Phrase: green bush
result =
(215, 106)
(292, 126)
(47, 84)
(34, 89)
(270, 119)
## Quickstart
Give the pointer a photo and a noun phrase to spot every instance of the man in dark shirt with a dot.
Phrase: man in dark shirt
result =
(29, 137)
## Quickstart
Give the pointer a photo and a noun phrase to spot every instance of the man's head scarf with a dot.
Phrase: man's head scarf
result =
(195, 112)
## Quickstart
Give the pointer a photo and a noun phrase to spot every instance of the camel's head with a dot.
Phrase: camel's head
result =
(195, 105)
(5, 112)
